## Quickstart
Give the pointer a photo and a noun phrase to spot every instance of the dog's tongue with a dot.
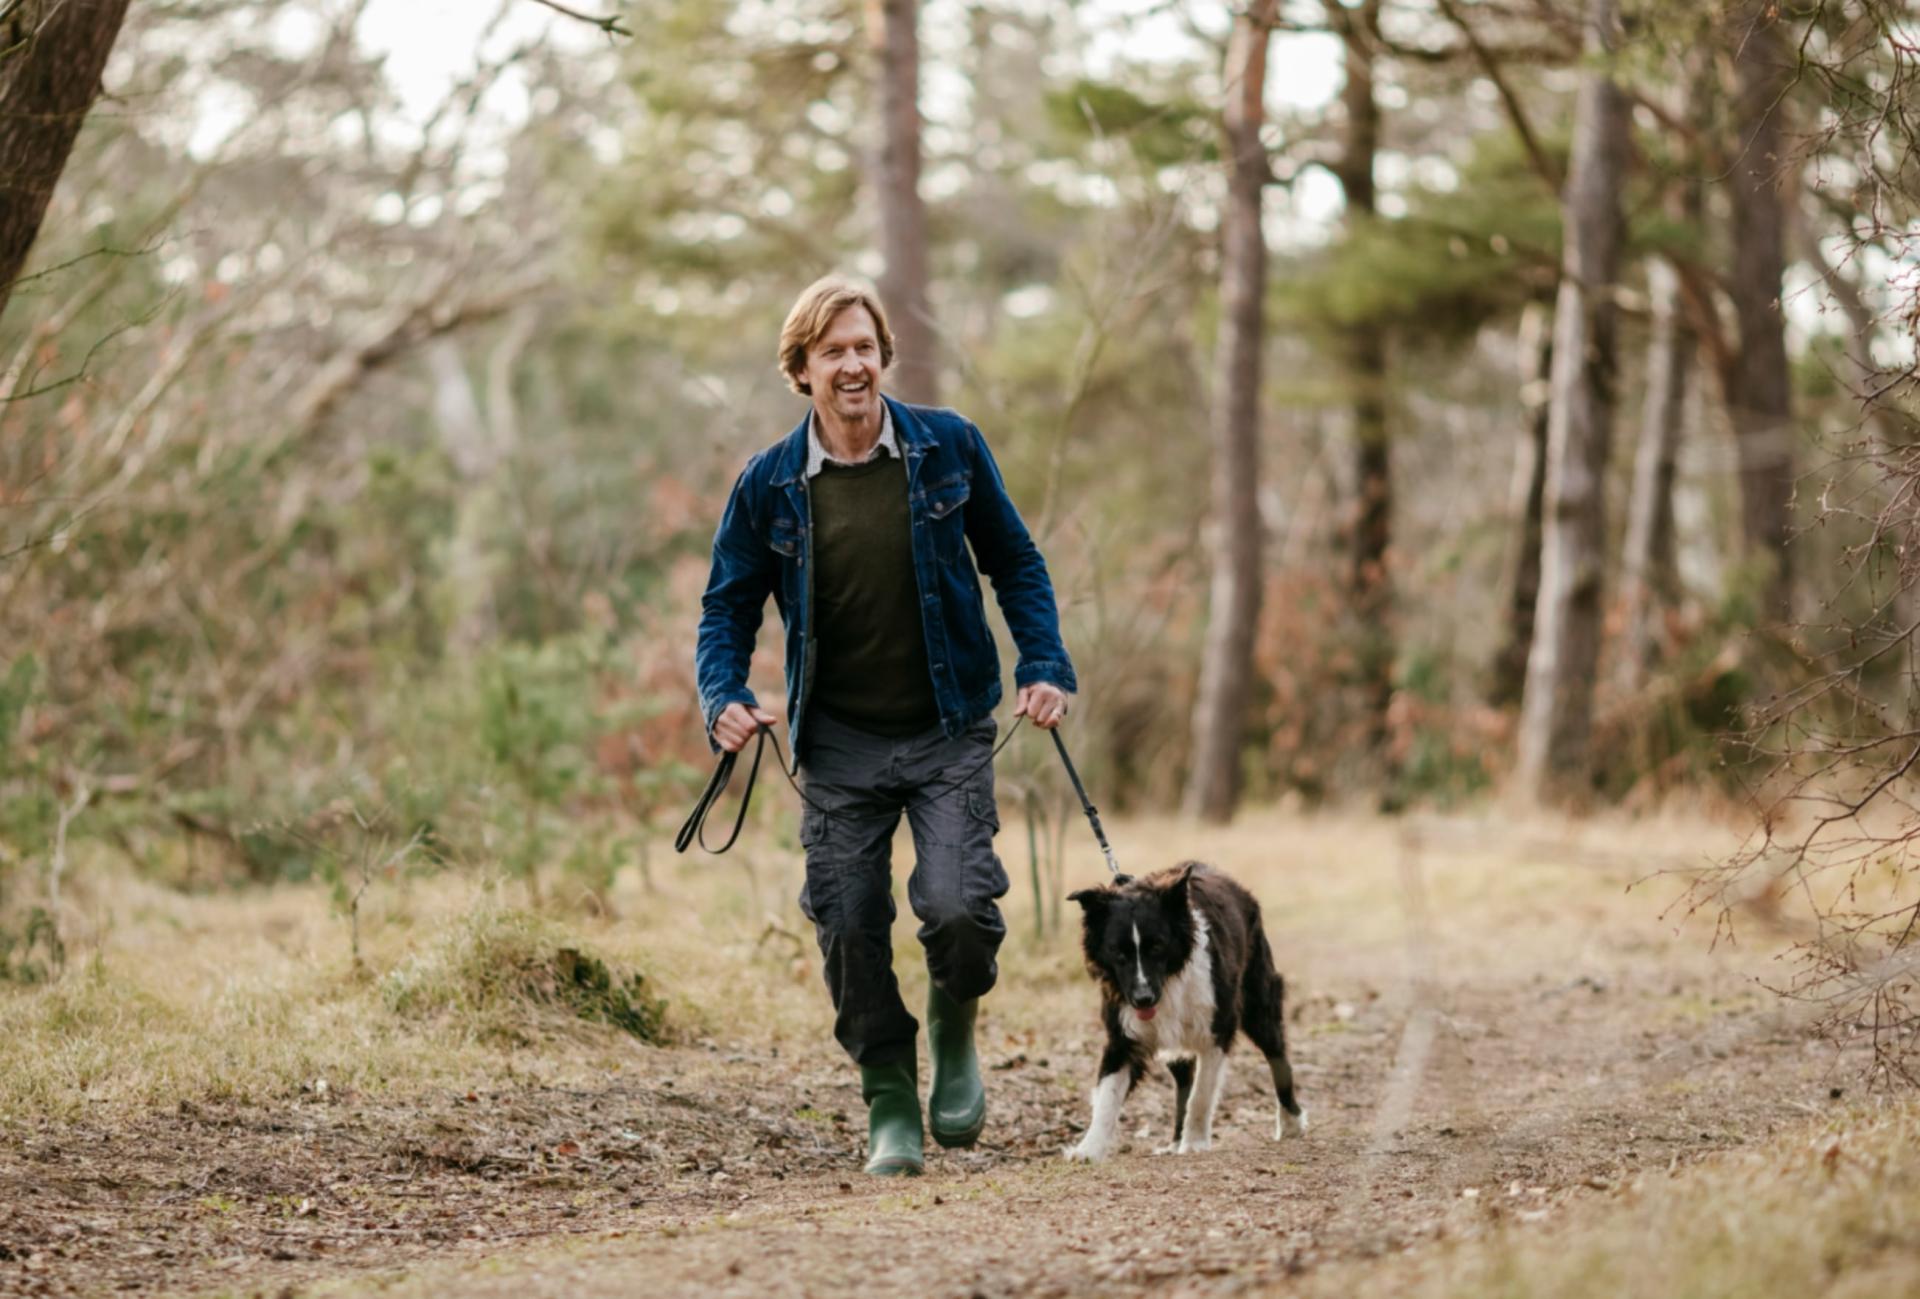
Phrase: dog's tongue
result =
(1148, 1013)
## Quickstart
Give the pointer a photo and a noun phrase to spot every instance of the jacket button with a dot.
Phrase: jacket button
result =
(939, 667)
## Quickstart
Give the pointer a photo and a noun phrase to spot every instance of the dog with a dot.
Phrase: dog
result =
(1183, 965)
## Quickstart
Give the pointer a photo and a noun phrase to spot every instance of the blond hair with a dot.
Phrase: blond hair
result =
(813, 315)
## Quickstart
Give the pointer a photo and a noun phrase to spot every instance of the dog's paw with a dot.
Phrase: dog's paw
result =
(1290, 1125)
(1085, 1153)
(1171, 1148)
(1189, 1146)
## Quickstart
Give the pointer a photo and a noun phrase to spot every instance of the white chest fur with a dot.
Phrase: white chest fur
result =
(1182, 1024)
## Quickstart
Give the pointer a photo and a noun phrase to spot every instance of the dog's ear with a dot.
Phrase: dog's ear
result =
(1091, 899)
(1174, 896)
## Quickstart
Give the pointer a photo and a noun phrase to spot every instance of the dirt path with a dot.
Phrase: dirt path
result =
(1453, 1076)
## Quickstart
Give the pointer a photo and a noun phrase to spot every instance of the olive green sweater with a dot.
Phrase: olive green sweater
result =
(871, 671)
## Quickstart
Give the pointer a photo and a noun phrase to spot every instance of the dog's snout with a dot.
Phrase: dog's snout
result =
(1143, 998)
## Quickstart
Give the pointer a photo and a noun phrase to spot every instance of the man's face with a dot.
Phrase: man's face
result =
(843, 367)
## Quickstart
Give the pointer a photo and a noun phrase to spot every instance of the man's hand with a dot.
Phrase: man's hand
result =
(1044, 702)
(737, 724)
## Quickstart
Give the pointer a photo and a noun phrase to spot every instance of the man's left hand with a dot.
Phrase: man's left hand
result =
(1044, 702)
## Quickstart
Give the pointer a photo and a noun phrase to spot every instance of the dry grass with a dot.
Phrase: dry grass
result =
(504, 972)
(1830, 1211)
(252, 995)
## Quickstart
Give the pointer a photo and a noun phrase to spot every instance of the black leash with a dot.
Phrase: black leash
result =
(695, 828)
(1093, 815)
(696, 824)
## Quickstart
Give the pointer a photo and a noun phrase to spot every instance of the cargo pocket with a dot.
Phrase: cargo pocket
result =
(986, 873)
(817, 889)
(982, 806)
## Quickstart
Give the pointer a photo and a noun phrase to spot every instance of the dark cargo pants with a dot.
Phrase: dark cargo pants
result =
(861, 783)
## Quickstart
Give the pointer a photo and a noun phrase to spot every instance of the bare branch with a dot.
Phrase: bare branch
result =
(609, 24)
(1516, 111)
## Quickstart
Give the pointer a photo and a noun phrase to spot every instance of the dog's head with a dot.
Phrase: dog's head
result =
(1138, 935)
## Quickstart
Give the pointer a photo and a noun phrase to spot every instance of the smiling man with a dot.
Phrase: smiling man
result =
(869, 525)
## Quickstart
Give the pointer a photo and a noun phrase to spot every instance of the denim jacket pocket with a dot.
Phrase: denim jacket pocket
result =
(946, 519)
(784, 538)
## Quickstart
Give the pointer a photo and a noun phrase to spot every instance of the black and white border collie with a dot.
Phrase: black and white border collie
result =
(1183, 965)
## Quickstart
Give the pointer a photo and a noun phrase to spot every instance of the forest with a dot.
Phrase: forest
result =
(1476, 447)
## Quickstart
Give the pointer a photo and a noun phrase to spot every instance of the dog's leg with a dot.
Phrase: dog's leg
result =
(1120, 1069)
(1207, 1081)
(1182, 1071)
(1108, 1094)
(1289, 1120)
(1265, 1021)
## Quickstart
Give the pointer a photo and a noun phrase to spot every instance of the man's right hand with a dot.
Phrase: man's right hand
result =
(737, 724)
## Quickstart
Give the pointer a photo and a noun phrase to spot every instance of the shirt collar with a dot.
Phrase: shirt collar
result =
(817, 457)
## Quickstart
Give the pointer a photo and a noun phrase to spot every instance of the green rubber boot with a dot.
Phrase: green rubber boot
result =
(894, 1141)
(957, 1101)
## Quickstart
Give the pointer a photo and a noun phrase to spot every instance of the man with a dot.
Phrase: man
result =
(859, 524)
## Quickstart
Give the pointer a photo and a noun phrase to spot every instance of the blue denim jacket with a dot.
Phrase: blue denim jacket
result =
(955, 497)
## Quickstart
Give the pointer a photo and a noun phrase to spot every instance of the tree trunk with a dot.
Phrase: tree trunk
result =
(893, 35)
(1369, 593)
(1647, 560)
(51, 56)
(1526, 504)
(1226, 669)
(1556, 711)
(1755, 378)
(1649, 566)
(472, 566)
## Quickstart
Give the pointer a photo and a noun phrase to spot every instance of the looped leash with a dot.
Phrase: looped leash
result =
(1093, 814)
(695, 828)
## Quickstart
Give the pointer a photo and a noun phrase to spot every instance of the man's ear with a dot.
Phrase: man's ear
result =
(1091, 899)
